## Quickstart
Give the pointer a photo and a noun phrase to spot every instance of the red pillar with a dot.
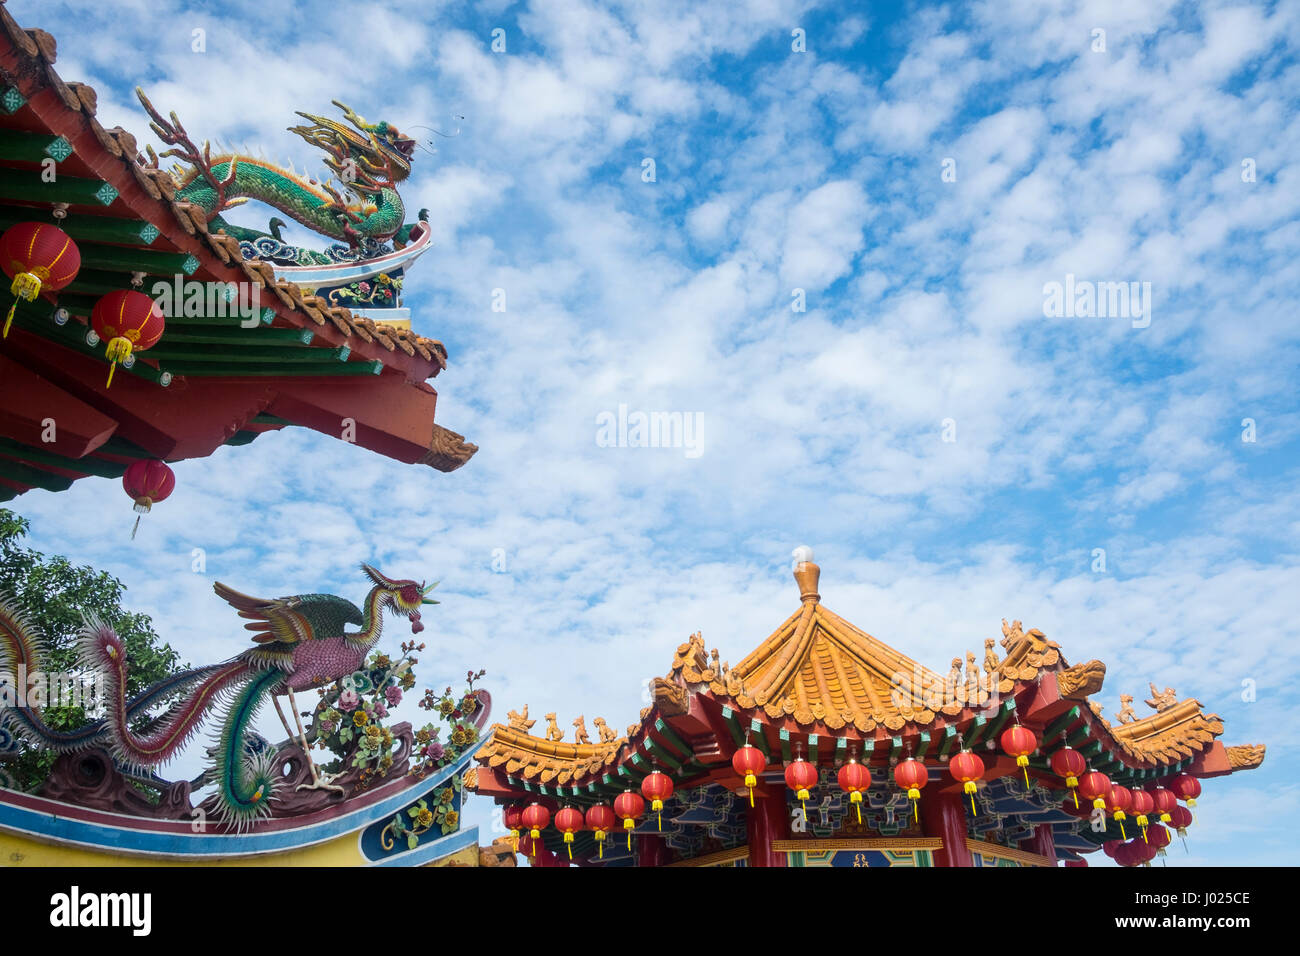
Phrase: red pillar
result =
(1042, 842)
(653, 850)
(943, 815)
(767, 820)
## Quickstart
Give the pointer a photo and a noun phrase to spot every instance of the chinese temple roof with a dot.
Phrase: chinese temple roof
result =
(820, 686)
(210, 380)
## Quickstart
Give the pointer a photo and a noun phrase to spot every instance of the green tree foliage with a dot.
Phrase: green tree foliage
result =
(55, 593)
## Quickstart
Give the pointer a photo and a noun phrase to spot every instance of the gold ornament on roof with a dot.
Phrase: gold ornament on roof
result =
(520, 722)
(580, 730)
(1161, 700)
(553, 731)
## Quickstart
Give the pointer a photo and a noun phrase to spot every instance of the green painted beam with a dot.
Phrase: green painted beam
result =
(786, 754)
(131, 232)
(758, 738)
(662, 755)
(221, 321)
(122, 447)
(976, 732)
(20, 146)
(733, 725)
(188, 335)
(1092, 749)
(167, 351)
(89, 465)
(813, 742)
(1058, 726)
(896, 748)
(924, 746)
(661, 727)
(28, 186)
(841, 749)
(125, 259)
(1007, 709)
(234, 369)
(34, 477)
(949, 739)
(1078, 737)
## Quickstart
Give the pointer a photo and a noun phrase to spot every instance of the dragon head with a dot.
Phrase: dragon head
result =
(367, 157)
(402, 596)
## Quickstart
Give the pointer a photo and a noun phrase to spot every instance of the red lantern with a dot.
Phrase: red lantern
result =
(1143, 804)
(568, 821)
(1165, 801)
(657, 788)
(1158, 837)
(128, 321)
(911, 775)
(1110, 846)
(1069, 763)
(1095, 786)
(749, 762)
(535, 817)
(801, 776)
(36, 256)
(147, 481)
(600, 820)
(1182, 820)
(1020, 742)
(629, 808)
(1186, 788)
(1117, 802)
(966, 767)
(512, 816)
(855, 780)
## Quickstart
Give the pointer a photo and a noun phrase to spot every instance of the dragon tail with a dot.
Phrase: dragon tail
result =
(101, 648)
(245, 777)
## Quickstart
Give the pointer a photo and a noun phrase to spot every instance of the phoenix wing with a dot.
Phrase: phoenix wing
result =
(291, 620)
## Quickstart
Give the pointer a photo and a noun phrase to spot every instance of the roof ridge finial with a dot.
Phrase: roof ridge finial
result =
(806, 574)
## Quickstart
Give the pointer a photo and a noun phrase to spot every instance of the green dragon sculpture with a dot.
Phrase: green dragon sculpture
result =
(369, 160)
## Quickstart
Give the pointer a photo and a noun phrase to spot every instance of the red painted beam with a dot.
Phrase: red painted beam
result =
(189, 419)
(28, 402)
(391, 416)
(765, 822)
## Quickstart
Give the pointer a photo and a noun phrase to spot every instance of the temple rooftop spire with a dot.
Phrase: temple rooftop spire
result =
(806, 574)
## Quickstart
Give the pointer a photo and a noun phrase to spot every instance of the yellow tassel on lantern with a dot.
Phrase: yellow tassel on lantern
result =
(751, 782)
(855, 798)
(970, 788)
(802, 796)
(658, 807)
(1142, 822)
(1071, 782)
(629, 826)
(600, 843)
(1120, 817)
(568, 843)
(119, 350)
(514, 839)
(1023, 763)
(914, 795)
(27, 286)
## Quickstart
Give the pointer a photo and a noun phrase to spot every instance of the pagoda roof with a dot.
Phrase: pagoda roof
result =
(822, 687)
(209, 381)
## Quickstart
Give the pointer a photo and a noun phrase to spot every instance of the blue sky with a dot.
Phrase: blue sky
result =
(778, 170)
